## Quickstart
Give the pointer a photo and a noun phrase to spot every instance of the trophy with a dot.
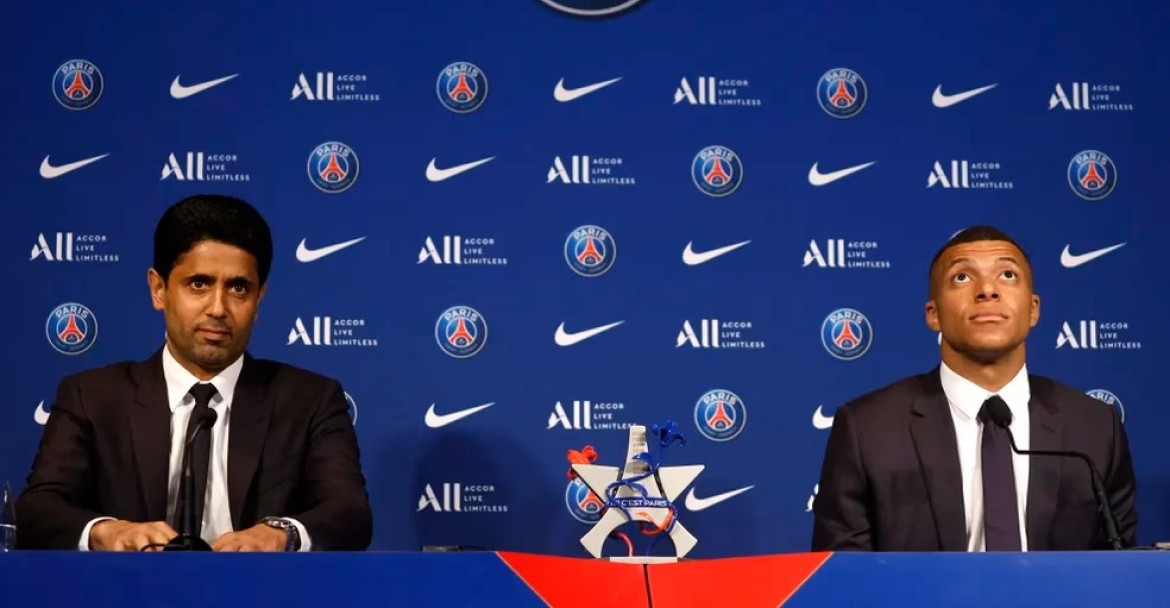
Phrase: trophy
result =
(642, 491)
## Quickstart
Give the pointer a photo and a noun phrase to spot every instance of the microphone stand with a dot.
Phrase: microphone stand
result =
(1111, 534)
(186, 541)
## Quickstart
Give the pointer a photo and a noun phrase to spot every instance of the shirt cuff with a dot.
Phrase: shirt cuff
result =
(306, 543)
(83, 544)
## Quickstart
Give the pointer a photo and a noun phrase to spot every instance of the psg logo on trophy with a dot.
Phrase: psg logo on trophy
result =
(642, 493)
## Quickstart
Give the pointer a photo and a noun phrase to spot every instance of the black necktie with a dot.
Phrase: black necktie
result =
(200, 454)
(1001, 523)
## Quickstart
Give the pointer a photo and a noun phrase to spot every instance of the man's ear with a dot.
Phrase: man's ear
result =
(259, 299)
(932, 316)
(1035, 312)
(158, 289)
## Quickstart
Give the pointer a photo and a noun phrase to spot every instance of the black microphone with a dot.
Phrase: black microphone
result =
(186, 540)
(1001, 415)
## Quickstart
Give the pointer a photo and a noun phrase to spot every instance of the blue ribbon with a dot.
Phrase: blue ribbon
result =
(668, 434)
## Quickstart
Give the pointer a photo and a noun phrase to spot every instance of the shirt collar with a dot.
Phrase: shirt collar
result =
(180, 381)
(968, 397)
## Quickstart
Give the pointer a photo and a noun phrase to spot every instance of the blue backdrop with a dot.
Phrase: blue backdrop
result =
(450, 185)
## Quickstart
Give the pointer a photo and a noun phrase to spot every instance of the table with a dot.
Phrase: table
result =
(518, 580)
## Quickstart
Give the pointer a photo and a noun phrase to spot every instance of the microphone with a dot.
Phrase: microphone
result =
(1001, 415)
(186, 540)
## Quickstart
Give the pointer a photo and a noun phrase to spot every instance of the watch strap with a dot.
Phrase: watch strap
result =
(294, 537)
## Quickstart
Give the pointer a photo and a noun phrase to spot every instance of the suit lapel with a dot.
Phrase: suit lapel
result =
(250, 413)
(933, 432)
(1043, 471)
(150, 432)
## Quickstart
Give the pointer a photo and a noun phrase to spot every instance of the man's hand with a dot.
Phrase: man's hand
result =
(119, 535)
(260, 537)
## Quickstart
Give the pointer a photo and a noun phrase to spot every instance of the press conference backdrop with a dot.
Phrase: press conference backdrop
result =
(512, 229)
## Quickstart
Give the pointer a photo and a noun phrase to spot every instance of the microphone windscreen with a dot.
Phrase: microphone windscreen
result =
(999, 411)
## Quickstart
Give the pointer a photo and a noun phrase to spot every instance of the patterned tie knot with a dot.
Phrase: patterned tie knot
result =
(203, 392)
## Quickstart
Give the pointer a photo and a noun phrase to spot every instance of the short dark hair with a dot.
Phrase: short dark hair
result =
(214, 217)
(981, 232)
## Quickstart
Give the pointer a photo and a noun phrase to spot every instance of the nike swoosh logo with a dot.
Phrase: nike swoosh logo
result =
(561, 94)
(48, 171)
(436, 174)
(40, 414)
(179, 91)
(945, 101)
(1069, 260)
(564, 338)
(690, 258)
(435, 421)
(821, 421)
(304, 254)
(816, 178)
(694, 503)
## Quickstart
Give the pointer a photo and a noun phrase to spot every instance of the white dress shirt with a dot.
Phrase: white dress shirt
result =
(217, 516)
(966, 398)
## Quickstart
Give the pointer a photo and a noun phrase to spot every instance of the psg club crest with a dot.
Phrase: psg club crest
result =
(71, 328)
(462, 87)
(350, 408)
(461, 332)
(641, 493)
(720, 415)
(1092, 175)
(1108, 397)
(846, 334)
(78, 84)
(842, 93)
(717, 171)
(591, 8)
(583, 504)
(590, 251)
(333, 167)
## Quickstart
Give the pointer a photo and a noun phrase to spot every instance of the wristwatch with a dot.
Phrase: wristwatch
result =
(294, 536)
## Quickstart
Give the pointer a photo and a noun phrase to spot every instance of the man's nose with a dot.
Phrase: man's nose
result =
(218, 306)
(988, 290)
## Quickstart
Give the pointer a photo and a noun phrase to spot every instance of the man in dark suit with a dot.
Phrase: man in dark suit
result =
(918, 466)
(279, 469)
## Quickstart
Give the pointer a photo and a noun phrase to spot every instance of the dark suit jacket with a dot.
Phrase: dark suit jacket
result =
(292, 452)
(891, 480)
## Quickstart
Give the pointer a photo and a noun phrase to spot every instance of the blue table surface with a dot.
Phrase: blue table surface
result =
(483, 579)
(216, 580)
